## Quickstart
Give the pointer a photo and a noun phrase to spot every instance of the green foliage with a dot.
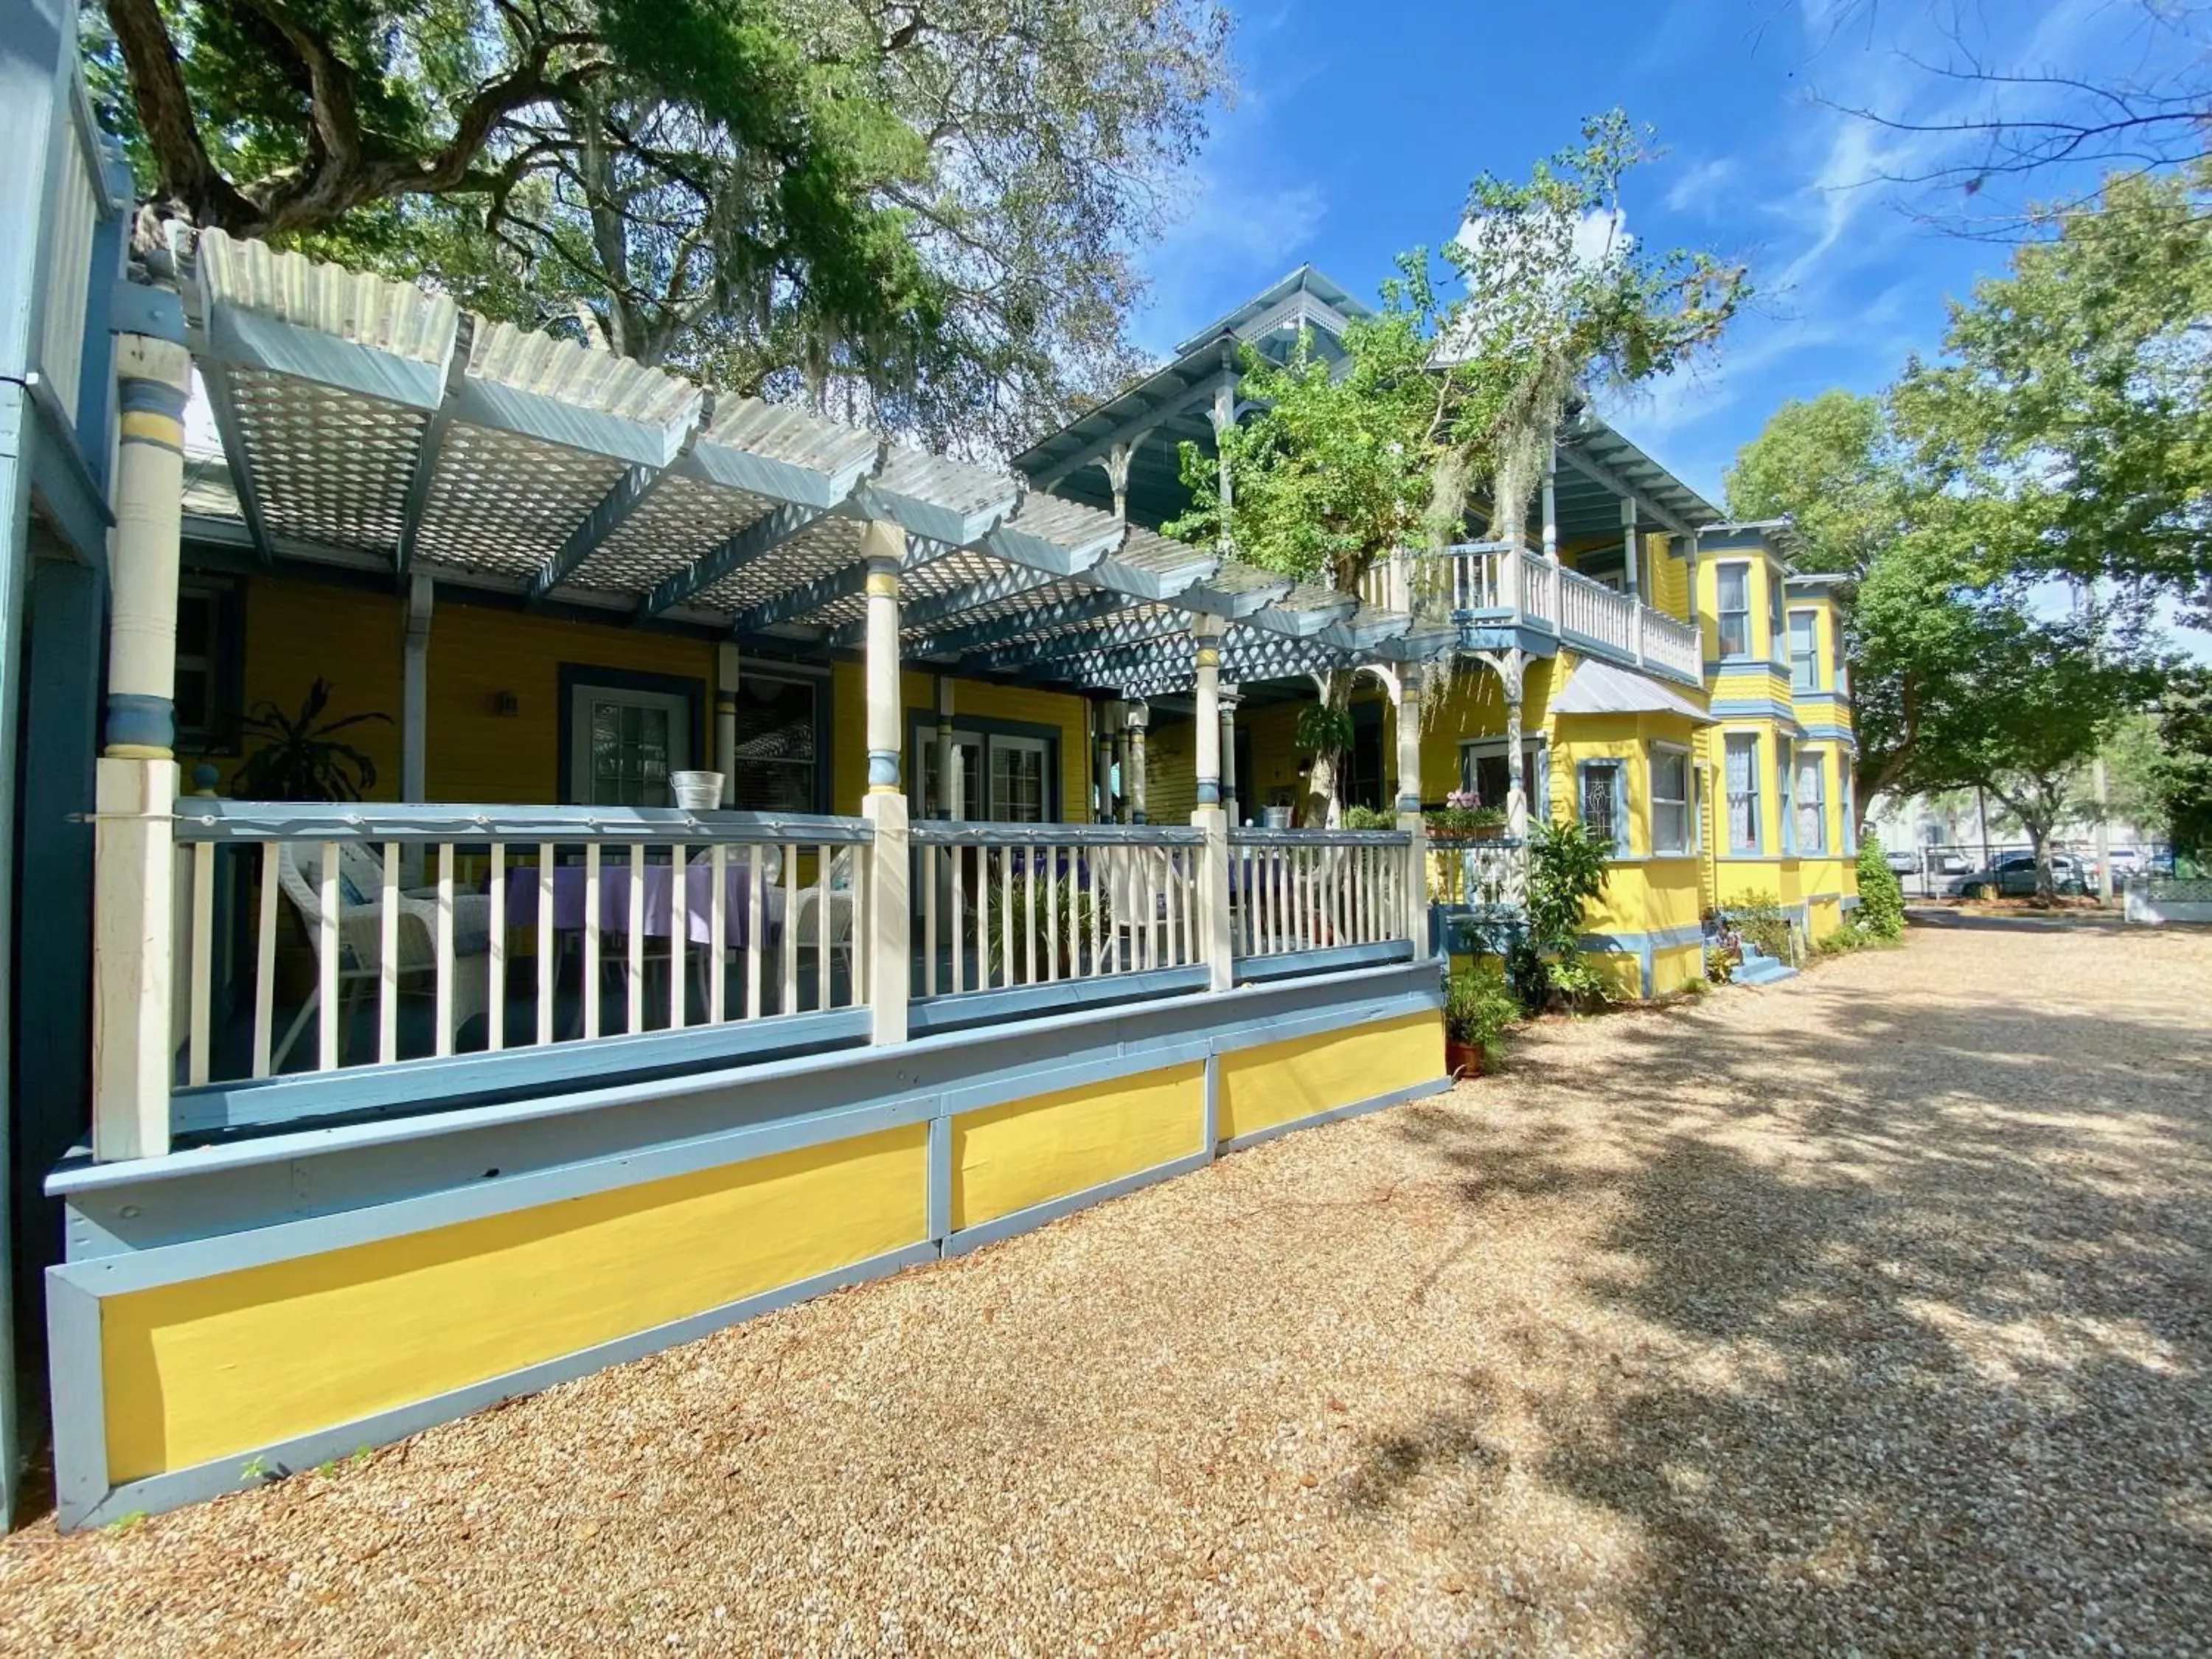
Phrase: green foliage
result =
(1577, 982)
(1321, 729)
(1077, 906)
(1762, 921)
(303, 758)
(257, 1468)
(1566, 872)
(125, 1523)
(1369, 818)
(1719, 970)
(2176, 761)
(2076, 388)
(926, 217)
(1881, 913)
(1479, 1005)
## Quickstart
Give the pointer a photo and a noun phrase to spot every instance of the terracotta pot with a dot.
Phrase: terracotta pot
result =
(1488, 832)
(1462, 1059)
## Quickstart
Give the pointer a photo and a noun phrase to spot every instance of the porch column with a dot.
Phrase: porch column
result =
(1409, 807)
(1631, 582)
(1208, 815)
(1117, 749)
(415, 692)
(1512, 666)
(1101, 765)
(949, 803)
(1552, 505)
(1117, 475)
(887, 947)
(1229, 699)
(136, 777)
(727, 667)
(1140, 716)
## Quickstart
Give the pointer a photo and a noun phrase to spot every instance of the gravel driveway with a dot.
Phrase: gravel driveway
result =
(1869, 1312)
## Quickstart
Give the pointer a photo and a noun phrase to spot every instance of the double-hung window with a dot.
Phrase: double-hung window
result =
(1735, 585)
(1785, 773)
(1604, 795)
(1810, 799)
(1804, 651)
(1773, 612)
(778, 754)
(1670, 799)
(1743, 761)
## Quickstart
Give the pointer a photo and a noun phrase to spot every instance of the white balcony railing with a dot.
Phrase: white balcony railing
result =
(1478, 577)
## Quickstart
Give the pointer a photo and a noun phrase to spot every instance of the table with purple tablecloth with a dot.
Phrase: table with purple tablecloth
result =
(569, 913)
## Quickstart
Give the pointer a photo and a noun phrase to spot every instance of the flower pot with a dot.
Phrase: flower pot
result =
(1487, 832)
(697, 792)
(1462, 1059)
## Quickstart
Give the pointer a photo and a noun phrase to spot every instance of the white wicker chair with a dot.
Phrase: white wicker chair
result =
(832, 888)
(361, 937)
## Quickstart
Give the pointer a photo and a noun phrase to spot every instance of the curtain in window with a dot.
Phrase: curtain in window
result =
(1812, 805)
(1734, 581)
(1743, 792)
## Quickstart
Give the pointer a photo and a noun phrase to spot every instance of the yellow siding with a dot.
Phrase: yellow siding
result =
(352, 637)
(472, 752)
(1666, 585)
(207, 1368)
(1030, 1151)
(1278, 1083)
(1171, 772)
(1674, 966)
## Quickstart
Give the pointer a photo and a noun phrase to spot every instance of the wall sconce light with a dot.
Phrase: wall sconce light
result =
(506, 704)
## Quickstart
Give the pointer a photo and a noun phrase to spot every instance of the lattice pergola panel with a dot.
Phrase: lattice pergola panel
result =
(678, 522)
(503, 502)
(331, 466)
(536, 463)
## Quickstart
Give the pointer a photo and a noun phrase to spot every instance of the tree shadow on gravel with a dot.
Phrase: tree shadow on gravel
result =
(1911, 1353)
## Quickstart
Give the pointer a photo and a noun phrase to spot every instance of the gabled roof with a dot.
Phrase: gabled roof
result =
(1304, 296)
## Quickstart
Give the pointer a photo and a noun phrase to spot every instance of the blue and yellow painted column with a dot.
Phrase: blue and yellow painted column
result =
(136, 781)
(887, 899)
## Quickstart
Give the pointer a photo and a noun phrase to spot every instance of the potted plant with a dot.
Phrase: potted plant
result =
(303, 758)
(1464, 818)
(1479, 1005)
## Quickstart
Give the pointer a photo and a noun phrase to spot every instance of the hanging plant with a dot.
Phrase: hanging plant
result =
(303, 758)
(1322, 729)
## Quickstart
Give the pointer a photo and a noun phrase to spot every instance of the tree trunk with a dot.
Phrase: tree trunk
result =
(1327, 768)
(2038, 840)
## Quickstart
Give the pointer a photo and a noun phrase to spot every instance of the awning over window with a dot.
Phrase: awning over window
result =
(1599, 688)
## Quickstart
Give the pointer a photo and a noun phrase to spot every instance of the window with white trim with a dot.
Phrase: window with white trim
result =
(1602, 792)
(1670, 800)
(1804, 651)
(1742, 761)
(1811, 801)
(1733, 582)
(1017, 775)
(1773, 611)
(778, 754)
(1784, 776)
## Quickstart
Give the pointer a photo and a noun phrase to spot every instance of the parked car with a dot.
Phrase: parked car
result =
(1903, 863)
(1953, 864)
(2014, 877)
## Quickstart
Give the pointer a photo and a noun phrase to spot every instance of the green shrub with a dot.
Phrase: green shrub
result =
(1881, 913)
(1567, 870)
(1479, 1005)
(1369, 818)
(1762, 921)
(1577, 982)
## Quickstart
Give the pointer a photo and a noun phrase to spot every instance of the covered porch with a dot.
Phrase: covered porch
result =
(927, 690)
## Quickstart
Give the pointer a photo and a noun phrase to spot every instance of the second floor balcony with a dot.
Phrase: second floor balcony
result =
(1487, 587)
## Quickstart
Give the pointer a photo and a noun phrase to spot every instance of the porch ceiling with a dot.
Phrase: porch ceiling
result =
(364, 418)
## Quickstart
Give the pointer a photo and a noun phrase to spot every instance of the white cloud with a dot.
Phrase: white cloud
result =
(1700, 189)
(1238, 231)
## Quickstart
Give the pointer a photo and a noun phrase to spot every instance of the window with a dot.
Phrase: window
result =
(1734, 581)
(1604, 798)
(632, 740)
(1670, 799)
(1773, 611)
(1482, 768)
(777, 752)
(1851, 815)
(1018, 774)
(1804, 651)
(1811, 797)
(1743, 792)
(1836, 653)
(1783, 774)
(210, 690)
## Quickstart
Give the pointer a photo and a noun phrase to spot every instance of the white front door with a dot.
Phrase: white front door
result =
(625, 743)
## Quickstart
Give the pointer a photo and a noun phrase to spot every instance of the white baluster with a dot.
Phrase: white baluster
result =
(387, 967)
(679, 931)
(635, 957)
(202, 959)
(717, 934)
(496, 958)
(592, 943)
(786, 1000)
(445, 1042)
(756, 927)
(264, 962)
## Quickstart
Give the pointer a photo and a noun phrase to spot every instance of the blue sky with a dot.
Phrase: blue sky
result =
(1360, 126)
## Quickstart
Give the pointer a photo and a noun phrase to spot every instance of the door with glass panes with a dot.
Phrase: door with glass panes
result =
(624, 745)
(996, 779)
